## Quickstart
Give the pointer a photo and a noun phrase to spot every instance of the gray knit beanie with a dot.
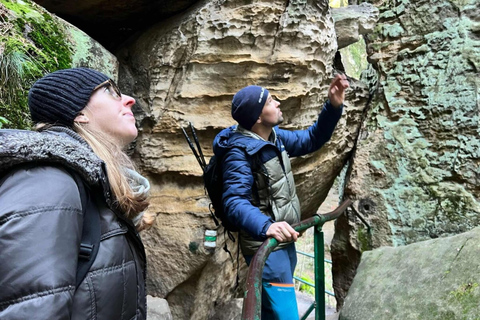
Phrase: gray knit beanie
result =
(247, 105)
(58, 97)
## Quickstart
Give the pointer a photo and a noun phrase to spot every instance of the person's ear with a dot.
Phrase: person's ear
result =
(81, 118)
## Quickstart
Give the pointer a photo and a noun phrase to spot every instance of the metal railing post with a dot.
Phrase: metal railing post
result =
(319, 249)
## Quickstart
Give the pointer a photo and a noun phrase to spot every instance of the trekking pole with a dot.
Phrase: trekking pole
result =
(202, 157)
(193, 150)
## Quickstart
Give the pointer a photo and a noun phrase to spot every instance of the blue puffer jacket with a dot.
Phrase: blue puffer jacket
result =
(275, 185)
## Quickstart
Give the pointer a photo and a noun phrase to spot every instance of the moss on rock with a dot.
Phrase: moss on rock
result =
(32, 44)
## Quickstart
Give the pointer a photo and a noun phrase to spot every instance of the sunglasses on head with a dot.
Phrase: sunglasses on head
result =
(111, 87)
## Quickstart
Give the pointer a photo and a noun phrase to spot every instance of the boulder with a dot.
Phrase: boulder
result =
(158, 309)
(231, 310)
(354, 21)
(428, 280)
(186, 69)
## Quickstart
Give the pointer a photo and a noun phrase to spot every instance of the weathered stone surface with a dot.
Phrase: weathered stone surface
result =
(429, 280)
(353, 21)
(231, 310)
(89, 53)
(187, 69)
(158, 309)
(415, 172)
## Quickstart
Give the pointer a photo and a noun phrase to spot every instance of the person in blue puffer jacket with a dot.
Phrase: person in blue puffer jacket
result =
(259, 190)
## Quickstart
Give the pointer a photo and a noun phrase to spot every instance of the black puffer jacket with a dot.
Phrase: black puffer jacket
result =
(40, 230)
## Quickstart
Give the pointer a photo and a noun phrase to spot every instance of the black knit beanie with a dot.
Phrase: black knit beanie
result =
(58, 97)
(247, 105)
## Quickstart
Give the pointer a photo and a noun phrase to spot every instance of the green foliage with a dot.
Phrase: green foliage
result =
(13, 100)
(464, 292)
(47, 35)
(354, 58)
(11, 73)
(364, 239)
(466, 297)
(3, 121)
(32, 44)
(338, 3)
(305, 287)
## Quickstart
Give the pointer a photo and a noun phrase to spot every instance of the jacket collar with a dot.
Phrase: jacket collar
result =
(57, 145)
(237, 136)
(249, 133)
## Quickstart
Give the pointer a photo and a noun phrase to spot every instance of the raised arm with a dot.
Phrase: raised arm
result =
(301, 142)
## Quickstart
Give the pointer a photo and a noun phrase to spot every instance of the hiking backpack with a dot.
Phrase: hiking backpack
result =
(213, 181)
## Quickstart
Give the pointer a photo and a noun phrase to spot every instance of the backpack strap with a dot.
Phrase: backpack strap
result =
(256, 165)
(91, 232)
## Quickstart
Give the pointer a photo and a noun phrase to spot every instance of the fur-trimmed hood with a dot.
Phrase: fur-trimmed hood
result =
(57, 145)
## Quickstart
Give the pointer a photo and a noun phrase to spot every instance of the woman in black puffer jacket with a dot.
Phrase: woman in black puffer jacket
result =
(83, 124)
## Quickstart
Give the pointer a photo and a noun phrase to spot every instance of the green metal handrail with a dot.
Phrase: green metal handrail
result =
(252, 304)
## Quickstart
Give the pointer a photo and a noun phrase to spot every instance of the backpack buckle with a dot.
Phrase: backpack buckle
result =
(85, 251)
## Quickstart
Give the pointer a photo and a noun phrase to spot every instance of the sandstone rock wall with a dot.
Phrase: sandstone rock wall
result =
(186, 69)
(415, 172)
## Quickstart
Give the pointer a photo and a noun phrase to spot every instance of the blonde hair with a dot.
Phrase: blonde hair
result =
(130, 204)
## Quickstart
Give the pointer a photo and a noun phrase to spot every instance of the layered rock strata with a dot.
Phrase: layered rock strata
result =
(187, 69)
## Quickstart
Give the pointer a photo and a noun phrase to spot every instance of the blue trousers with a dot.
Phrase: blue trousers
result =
(278, 294)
